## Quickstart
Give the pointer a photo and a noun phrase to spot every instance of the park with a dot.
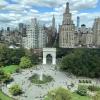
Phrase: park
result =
(25, 77)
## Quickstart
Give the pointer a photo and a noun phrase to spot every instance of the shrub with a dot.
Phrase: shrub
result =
(82, 90)
(5, 78)
(83, 81)
(94, 88)
(90, 81)
(87, 81)
(18, 70)
(15, 90)
(59, 94)
(80, 81)
(1, 76)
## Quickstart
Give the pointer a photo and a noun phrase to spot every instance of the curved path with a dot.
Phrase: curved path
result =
(36, 92)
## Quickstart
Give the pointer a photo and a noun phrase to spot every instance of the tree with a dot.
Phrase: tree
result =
(82, 62)
(59, 94)
(15, 55)
(1, 76)
(33, 57)
(10, 56)
(3, 54)
(25, 62)
(15, 90)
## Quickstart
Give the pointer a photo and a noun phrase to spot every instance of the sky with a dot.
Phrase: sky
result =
(13, 12)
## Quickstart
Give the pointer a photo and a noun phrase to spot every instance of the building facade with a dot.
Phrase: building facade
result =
(96, 32)
(66, 35)
(35, 36)
(42, 38)
(83, 37)
(71, 36)
(51, 33)
(11, 36)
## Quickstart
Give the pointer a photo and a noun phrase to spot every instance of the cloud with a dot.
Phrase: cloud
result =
(23, 11)
(16, 7)
(87, 18)
(3, 4)
(75, 4)
(84, 4)
(46, 3)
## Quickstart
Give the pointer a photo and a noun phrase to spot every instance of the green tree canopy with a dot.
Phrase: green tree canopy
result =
(82, 62)
(25, 62)
(33, 57)
(10, 56)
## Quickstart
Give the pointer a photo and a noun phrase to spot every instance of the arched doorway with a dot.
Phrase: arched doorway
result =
(49, 55)
(49, 59)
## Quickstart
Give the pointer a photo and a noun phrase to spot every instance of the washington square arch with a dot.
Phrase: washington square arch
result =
(51, 52)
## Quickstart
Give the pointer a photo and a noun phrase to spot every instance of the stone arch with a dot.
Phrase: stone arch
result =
(49, 51)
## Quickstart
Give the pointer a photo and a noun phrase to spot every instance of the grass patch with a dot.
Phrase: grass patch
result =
(75, 96)
(9, 69)
(4, 97)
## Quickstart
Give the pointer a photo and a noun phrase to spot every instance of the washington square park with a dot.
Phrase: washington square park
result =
(49, 49)
(54, 74)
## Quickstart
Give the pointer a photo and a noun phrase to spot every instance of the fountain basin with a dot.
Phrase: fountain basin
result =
(37, 80)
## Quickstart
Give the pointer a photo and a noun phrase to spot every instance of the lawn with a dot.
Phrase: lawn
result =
(9, 69)
(4, 97)
(78, 97)
(75, 96)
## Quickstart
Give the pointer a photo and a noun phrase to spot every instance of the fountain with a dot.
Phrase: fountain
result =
(41, 76)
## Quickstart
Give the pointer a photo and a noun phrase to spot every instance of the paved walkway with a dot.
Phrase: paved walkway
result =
(35, 92)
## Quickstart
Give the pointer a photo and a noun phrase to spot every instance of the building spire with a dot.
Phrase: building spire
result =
(67, 7)
(53, 21)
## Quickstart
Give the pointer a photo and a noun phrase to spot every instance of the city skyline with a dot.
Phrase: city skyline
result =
(13, 12)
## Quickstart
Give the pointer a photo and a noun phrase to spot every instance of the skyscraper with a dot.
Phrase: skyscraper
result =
(22, 29)
(53, 22)
(78, 21)
(51, 33)
(66, 35)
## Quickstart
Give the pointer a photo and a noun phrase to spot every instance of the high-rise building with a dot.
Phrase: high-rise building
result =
(31, 41)
(42, 37)
(51, 33)
(53, 22)
(35, 35)
(83, 37)
(66, 35)
(22, 29)
(78, 21)
(89, 38)
(96, 32)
